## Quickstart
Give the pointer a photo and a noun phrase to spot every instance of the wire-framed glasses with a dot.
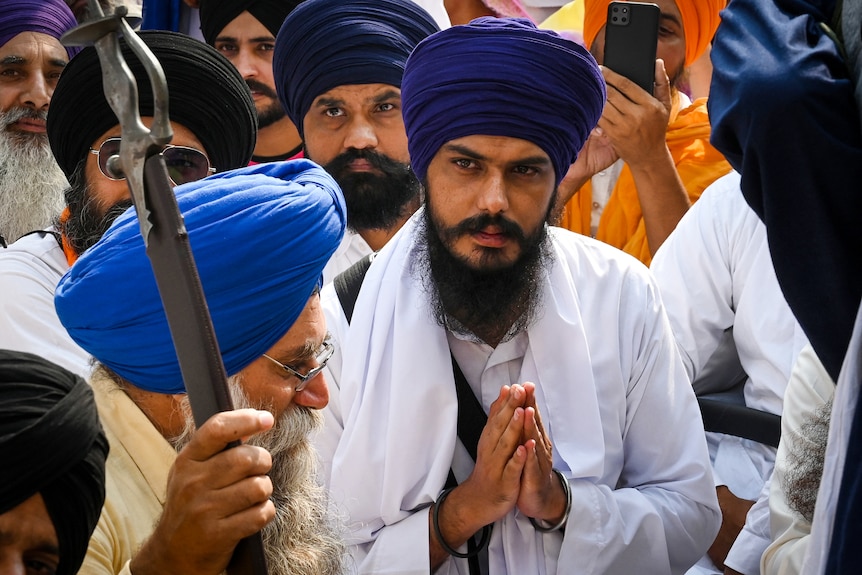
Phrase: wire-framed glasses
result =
(322, 357)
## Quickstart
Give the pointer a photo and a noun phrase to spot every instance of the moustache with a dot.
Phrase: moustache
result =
(478, 223)
(14, 114)
(256, 86)
(383, 163)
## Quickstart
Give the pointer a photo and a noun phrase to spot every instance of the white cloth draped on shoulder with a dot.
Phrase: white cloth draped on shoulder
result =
(612, 393)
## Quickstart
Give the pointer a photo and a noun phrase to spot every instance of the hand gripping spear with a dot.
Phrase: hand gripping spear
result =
(163, 229)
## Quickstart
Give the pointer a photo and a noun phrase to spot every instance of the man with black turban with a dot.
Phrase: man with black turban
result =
(31, 60)
(177, 502)
(52, 480)
(338, 67)
(214, 134)
(479, 307)
(244, 32)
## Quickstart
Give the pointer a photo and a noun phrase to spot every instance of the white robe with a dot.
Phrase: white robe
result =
(30, 270)
(715, 271)
(613, 395)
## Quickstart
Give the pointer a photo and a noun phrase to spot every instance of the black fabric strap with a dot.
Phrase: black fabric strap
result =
(740, 421)
(471, 415)
(348, 283)
(56, 235)
(471, 422)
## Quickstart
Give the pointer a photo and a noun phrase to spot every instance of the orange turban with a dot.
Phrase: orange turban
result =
(699, 20)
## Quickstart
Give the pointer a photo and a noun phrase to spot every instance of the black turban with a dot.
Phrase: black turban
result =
(51, 442)
(328, 43)
(216, 14)
(207, 95)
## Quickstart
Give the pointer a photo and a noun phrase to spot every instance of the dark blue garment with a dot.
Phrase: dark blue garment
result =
(161, 15)
(783, 113)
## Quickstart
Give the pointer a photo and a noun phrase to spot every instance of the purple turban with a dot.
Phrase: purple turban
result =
(260, 236)
(328, 43)
(501, 77)
(51, 17)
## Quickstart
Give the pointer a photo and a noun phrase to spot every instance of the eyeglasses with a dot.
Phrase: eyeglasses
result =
(322, 357)
(184, 164)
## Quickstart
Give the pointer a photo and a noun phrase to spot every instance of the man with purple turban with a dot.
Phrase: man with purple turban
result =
(338, 67)
(31, 60)
(504, 380)
(177, 501)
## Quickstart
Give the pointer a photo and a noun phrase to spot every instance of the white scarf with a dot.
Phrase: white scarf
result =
(400, 431)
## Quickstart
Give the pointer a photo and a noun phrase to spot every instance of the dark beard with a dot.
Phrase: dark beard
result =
(491, 300)
(805, 462)
(88, 221)
(272, 114)
(375, 202)
(678, 76)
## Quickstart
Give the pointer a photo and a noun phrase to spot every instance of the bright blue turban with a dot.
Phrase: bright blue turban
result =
(260, 236)
(328, 43)
(501, 77)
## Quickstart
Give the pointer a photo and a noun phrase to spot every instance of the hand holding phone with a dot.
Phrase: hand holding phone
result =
(631, 38)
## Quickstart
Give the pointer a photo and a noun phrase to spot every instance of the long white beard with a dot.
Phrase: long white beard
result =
(31, 183)
(306, 536)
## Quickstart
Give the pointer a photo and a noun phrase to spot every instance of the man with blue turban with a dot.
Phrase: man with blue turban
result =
(31, 60)
(338, 67)
(84, 133)
(177, 501)
(501, 377)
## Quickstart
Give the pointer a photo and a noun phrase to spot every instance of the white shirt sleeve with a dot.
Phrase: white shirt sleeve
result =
(810, 388)
(29, 272)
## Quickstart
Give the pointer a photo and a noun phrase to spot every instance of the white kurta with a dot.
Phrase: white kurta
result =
(30, 270)
(351, 249)
(714, 272)
(612, 392)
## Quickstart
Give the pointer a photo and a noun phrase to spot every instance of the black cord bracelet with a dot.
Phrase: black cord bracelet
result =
(568, 491)
(435, 521)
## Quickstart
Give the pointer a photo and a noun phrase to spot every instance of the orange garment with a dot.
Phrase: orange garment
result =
(68, 251)
(699, 21)
(622, 224)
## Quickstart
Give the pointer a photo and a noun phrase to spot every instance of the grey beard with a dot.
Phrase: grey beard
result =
(306, 536)
(31, 182)
(805, 462)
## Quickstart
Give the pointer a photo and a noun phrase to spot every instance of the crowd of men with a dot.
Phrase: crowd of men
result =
(469, 288)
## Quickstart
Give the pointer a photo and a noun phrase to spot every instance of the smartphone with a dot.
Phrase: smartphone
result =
(631, 37)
